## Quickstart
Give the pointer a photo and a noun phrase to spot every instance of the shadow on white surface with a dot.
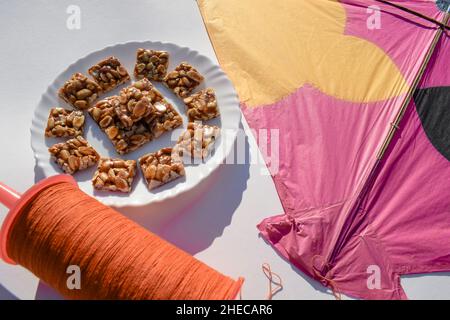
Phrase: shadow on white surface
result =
(44, 292)
(6, 295)
(196, 229)
(204, 220)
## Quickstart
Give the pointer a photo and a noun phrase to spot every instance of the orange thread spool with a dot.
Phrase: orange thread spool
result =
(118, 259)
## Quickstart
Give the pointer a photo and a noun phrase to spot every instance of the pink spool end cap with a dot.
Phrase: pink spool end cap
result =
(14, 201)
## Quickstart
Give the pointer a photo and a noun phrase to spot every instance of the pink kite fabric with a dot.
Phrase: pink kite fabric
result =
(348, 213)
(327, 149)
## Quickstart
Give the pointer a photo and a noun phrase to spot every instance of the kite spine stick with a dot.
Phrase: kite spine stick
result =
(395, 124)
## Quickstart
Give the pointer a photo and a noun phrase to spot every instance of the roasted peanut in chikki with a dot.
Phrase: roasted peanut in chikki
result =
(163, 116)
(161, 167)
(109, 73)
(74, 155)
(202, 105)
(124, 139)
(183, 79)
(198, 140)
(80, 91)
(135, 102)
(151, 64)
(64, 123)
(114, 175)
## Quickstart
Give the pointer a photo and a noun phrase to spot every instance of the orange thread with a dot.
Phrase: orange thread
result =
(277, 281)
(118, 258)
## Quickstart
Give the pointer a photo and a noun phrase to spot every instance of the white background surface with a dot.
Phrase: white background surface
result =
(217, 221)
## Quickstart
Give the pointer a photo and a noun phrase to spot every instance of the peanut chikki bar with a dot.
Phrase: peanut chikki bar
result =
(74, 155)
(151, 64)
(109, 73)
(80, 91)
(123, 138)
(163, 117)
(198, 140)
(202, 105)
(183, 79)
(114, 175)
(135, 102)
(64, 123)
(161, 167)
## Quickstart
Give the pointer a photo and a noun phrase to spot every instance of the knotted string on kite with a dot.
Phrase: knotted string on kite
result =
(327, 282)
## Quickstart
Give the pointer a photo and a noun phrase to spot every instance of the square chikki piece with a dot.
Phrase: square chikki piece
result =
(163, 117)
(183, 79)
(64, 123)
(161, 167)
(135, 102)
(109, 114)
(124, 139)
(202, 105)
(74, 155)
(151, 64)
(80, 91)
(109, 73)
(114, 175)
(198, 140)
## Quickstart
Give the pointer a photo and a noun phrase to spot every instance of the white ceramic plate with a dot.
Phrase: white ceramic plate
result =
(214, 77)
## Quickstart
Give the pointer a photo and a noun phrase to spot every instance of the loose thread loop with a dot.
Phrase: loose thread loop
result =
(277, 281)
(327, 282)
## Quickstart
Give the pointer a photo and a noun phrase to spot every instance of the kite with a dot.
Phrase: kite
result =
(360, 94)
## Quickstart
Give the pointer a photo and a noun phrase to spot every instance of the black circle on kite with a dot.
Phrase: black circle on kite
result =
(443, 5)
(433, 107)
